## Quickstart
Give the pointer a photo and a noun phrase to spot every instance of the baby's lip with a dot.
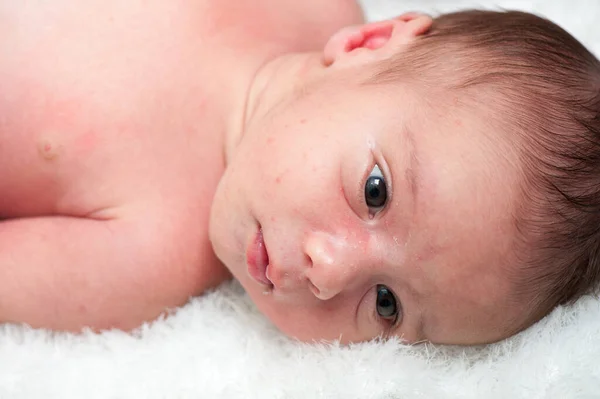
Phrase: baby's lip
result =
(257, 259)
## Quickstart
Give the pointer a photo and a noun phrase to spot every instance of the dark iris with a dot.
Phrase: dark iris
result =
(386, 303)
(375, 192)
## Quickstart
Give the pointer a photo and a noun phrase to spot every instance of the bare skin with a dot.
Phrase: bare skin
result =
(136, 139)
(112, 142)
(323, 255)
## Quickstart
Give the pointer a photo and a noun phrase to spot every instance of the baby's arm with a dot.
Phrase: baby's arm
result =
(65, 273)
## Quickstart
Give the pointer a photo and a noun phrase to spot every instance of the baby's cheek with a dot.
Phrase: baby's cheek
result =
(350, 230)
(364, 242)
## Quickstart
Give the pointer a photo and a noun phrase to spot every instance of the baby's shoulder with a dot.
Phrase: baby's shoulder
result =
(296, 25)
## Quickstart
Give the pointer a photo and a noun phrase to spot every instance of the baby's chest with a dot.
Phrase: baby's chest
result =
(107, 171)
(85, 150)
(96, 112)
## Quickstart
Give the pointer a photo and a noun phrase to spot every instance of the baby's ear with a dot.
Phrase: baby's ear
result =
(377, 38)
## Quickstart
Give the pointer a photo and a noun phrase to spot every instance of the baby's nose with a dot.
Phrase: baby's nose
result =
(334, 264)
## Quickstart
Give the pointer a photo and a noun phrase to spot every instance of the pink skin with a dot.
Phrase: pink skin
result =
(299, 173)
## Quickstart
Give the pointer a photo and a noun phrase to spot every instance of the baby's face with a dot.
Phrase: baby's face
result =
(351, 212)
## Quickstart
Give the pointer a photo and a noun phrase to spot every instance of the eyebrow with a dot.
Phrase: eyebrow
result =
(413, 171)
(417, 325)
(413, 176)
(414, 332)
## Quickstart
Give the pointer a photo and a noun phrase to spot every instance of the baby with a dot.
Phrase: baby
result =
(430, 179)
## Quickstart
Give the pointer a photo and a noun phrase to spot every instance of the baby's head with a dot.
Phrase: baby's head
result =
(436, 182)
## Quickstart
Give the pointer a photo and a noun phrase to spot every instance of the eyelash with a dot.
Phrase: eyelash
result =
(387, 325)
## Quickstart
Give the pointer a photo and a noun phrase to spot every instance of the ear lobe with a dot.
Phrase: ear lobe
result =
(376, 35)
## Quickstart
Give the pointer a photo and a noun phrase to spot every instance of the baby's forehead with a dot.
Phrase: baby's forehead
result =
(463, 229)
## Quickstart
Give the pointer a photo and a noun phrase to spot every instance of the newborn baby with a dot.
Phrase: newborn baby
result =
(433, 180)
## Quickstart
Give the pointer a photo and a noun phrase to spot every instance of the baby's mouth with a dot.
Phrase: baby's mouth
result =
(257, 259)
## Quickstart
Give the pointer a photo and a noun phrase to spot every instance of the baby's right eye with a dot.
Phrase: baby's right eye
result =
(375, 191)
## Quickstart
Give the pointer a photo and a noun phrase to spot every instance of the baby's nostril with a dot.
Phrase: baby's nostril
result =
(308, 261)
(316, 292)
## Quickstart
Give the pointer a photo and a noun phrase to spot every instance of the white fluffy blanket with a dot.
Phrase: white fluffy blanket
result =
(218, 346)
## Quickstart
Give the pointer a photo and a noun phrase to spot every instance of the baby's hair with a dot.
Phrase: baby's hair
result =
(543, 88)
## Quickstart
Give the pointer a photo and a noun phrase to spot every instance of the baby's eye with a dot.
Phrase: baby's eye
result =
(375, 191)
(386, 305)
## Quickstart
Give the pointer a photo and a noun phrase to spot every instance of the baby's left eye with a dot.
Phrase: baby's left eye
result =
(375, 191)
(386, 305)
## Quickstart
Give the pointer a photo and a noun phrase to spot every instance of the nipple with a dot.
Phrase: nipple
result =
(48, 149)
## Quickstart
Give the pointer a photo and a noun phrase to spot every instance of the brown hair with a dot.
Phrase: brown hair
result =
(546, 88)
